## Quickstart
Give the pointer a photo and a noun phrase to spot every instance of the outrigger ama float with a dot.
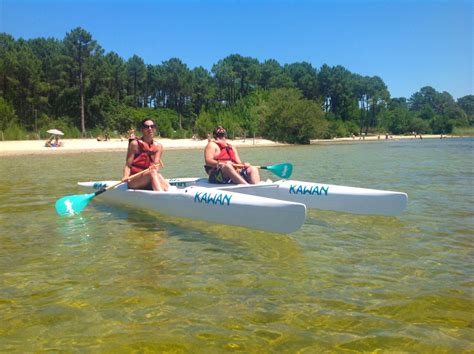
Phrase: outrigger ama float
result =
(314, 195)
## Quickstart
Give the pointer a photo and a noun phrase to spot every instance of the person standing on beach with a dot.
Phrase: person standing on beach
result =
(142, 154)
(223, 164)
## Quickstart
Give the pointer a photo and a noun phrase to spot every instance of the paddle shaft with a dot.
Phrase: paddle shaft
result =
(240, 165)
(131, 178)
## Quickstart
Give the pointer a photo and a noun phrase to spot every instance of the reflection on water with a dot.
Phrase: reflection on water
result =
(117, 279)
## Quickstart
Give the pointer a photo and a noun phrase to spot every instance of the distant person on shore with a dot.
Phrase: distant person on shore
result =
(142, 154)
(53, 142)
(222, 159)
(105, 137)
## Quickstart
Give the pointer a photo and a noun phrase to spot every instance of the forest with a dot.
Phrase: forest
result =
(74, 85)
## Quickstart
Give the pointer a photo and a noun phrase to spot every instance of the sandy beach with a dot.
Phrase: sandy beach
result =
(28, 147)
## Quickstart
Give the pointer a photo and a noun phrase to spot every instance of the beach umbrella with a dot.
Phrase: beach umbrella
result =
(55, 132)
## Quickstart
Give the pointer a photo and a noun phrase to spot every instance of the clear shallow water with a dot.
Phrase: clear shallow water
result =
(117, 279)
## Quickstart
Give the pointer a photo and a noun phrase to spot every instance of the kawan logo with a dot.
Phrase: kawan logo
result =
(212, 198)
(311, 190)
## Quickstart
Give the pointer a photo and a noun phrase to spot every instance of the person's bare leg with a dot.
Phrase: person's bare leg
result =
(155, 180)
(163, 182)
(254, 174)
(140, 182)
(229, 172)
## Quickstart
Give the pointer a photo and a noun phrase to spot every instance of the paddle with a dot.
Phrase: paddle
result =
(282, 170)
(73, 204)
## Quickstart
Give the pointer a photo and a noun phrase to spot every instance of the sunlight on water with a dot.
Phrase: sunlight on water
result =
(117, 279)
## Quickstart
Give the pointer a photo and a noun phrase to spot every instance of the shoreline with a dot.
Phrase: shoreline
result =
(380, 138)
(72, 146)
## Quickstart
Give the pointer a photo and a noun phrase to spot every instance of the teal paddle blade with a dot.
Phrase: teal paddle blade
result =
(73, 204)
(283, 170)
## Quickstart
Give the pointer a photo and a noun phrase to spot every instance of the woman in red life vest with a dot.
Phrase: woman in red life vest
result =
(220, 158)
(142, 154)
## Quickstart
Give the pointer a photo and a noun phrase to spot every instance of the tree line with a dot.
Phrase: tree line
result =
(74, 85)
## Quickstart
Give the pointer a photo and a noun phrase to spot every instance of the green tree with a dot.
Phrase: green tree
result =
(397, 121)
(226, 80)
(304, 77)
(466, 103)
(155, 76)
(177, 84)
(7, 115)
(441, 125)
(419, 125)
(50, 53)
(337, 89)
(7, 63)
(80, 46)
(136, 72)
(236, 76)
(293, 119)
(204, 124)
(377, 97)
(203, 89)
(272, 76)
(439, 108)
(116, 76)
(20, 73)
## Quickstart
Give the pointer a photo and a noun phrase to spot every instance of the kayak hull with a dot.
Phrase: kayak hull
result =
(315, 195)
(210, 205)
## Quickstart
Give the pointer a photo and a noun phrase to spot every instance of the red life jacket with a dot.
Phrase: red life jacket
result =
(227, 153)
(144, 157)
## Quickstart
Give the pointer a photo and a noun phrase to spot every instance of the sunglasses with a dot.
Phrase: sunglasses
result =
(148, 126)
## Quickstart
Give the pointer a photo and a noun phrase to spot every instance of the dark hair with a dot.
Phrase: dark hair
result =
(219, 132)
(144, 120)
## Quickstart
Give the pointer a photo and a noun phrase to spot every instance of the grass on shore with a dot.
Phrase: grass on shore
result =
(464, 131)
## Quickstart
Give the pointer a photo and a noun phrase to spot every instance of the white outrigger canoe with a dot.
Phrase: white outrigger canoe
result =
(211, 205)
(314, 195)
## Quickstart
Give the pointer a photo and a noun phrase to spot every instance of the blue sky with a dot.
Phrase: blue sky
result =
(409, 44)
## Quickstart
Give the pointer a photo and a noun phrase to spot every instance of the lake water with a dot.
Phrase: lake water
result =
(113, 279)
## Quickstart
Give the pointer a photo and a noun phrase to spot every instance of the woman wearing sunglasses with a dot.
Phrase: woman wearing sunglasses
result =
(145, 153)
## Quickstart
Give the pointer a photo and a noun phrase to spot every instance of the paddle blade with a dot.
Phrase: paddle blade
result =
(283, 170)
(73, 204)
